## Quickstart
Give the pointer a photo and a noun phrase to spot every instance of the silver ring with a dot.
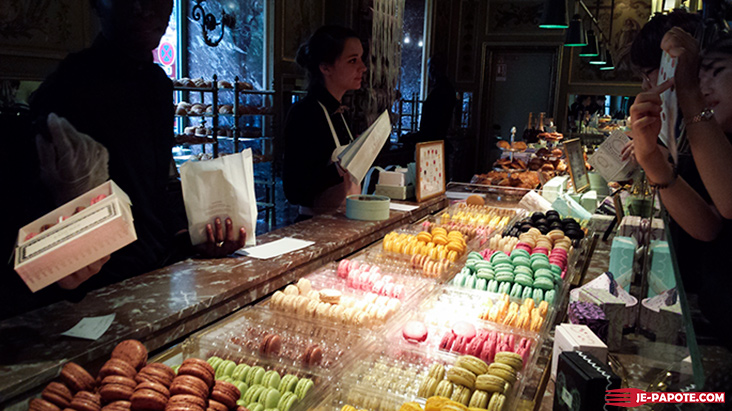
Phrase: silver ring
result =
(220, 244)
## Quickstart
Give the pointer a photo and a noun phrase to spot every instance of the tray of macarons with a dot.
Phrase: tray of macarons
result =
(396, 375)
(434, 252)
(263, 384)
(448, 303)
(379, 278)
(257, 332)
(328, 300)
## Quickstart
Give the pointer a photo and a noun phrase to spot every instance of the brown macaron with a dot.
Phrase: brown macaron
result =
(225, 393)
(118, 406)
(270, 344)
(156, 372)
(155, 386)
(188, 384)
(115, 366)
(86, 401)
(58, 394)
(116, 388)
(313, 355)
(186, 402)
(39, 404)
(77, 378)
(148, 399)
(131, 351)
(214, 405)
(198, 368)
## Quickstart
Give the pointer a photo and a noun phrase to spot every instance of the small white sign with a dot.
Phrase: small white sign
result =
(91, 328)
(402, 207)
(275, 248)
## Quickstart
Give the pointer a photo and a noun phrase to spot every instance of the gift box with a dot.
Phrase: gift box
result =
(622, 255)
(582, 380)
(607, 283)
(614, 310)
(661, 317)
(591, 315)
(576, 337)
(661, 275)
(76, 238)
(588, 201)
(554, 188)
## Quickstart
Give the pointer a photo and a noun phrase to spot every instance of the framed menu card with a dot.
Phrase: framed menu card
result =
(576, 165)
(430, 169)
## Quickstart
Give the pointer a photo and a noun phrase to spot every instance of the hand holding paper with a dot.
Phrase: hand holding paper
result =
(219, 244)
(358, 156)
(669, 104)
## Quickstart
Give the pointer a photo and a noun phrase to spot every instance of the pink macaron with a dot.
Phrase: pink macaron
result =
(523, 246)
(343, 268)
(414, 331)
(447, 340)
(475, 347)
(378, 288)
(541, 250)
(464, 329)
(397, 291)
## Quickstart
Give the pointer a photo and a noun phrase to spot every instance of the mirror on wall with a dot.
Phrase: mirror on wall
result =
(597, 114)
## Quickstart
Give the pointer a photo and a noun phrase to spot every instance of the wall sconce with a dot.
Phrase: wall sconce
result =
(592, 49)
(608, 61)
(209, 23)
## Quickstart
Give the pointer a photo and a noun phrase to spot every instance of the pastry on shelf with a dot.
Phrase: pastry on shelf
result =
(518, 145)
(191, 130)
(522, 179)
(209, 109)
(507, 164)
(197, 109)
(550, 136)
(202, 131)
(243, 85)
(226, 109)
(182, 108)
(225, 84)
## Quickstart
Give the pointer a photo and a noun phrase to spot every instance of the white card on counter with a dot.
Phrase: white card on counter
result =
(90, 328)
(402, 207)
(275, 248)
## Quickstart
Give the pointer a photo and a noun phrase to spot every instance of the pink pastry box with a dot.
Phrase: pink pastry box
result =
(263, 382)
(74, 235)
(323, 297)
(448, 303)
(396, 375)
(258, 332)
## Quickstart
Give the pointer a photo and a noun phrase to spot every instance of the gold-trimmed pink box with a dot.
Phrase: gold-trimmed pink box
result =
(77, 240)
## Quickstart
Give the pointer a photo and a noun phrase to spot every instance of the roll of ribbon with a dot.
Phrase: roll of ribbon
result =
(367, 207)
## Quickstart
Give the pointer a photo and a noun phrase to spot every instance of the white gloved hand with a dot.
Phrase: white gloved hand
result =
(72, 163)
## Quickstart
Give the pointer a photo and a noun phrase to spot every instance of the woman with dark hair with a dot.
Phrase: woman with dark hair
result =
(316, 127)
(696, 191)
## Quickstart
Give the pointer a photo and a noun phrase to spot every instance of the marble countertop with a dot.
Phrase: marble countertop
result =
(163, 306)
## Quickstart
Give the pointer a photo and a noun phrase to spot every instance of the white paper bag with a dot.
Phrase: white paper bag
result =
(223, 187)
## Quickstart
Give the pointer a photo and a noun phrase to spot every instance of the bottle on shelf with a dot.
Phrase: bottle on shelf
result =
(540, 123)
(528, 130)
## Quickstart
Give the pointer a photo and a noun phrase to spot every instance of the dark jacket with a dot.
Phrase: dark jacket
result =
(307, 169)
(126, 105)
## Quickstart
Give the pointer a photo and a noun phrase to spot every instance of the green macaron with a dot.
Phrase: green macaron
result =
(543, 283)
(486, 273)
(270, 398)
(528, 293)
(255, 406)
(505, 288)
(271, 379)
(538, 295)
(225, 369)
(255, 375)
(523, 279)
(470, 281)
(492, 286)
(516, 290)
(288, 383)
(240, 372)
(481, 284)
(303, 387)
(549, 296)
(287, 401)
